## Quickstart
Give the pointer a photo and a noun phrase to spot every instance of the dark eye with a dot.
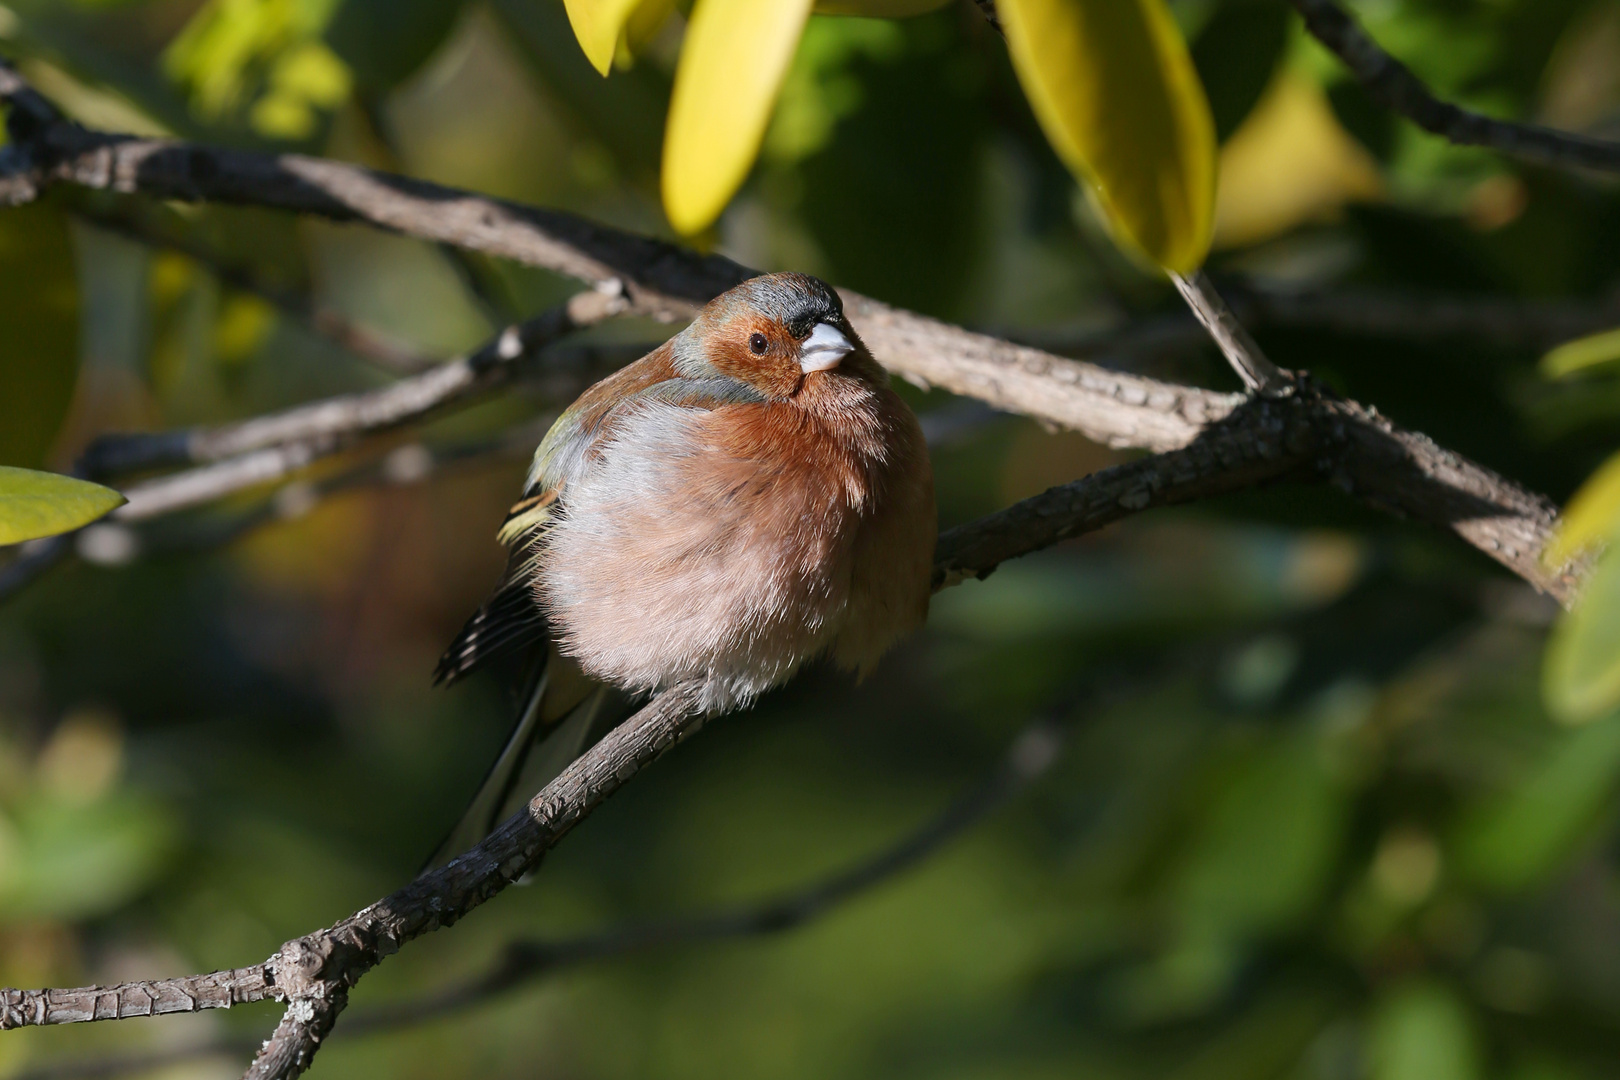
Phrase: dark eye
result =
(757, 344)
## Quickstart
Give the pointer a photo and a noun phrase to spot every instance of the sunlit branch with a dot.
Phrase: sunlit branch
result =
(1371, 458)
(246, 454)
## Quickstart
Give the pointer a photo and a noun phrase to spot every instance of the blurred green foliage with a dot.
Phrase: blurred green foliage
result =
(1332, 831)
(39, 355)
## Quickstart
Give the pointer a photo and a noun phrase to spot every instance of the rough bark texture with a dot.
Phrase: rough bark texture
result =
(1307, 434)
(663, 280)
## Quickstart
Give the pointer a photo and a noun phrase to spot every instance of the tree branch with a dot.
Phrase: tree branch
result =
(1501, 321)
(312, 974)
(1391, 84)
(1307, 434)
(1259, 374)
(257, 451)
(660, 279)
(1029, 757)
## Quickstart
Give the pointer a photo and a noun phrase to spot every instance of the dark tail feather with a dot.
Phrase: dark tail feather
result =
(534, 755)
(509, 620)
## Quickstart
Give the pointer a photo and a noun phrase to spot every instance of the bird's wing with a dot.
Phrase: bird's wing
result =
(562, 711)
(511, 618)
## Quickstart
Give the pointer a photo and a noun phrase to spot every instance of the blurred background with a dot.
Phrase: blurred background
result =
(1327, 833)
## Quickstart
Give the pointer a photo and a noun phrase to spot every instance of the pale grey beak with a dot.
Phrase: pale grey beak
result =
(825, 346)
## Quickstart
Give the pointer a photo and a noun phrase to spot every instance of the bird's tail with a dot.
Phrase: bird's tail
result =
(563, 714)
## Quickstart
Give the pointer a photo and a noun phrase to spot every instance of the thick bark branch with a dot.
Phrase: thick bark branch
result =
(1209, 443)
(1413, 477)
(1306, 433)
(1310, 433)
(662, 280)
(313, 974)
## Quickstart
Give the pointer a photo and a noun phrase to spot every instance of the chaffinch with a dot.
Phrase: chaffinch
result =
(744, 498)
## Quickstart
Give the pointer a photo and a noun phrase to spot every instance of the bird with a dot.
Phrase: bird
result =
(748, 497)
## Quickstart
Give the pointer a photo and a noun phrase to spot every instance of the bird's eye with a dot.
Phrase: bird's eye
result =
(757, 344)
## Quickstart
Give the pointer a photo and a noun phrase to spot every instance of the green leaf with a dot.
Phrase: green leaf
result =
(1516, 842)
(1265, 845)
(35, 504)
(1117, 95)
(66, 861)
(1581, 354)
(1422, 1031)
(733, 61)
(1590, 516)
(39, 350)
(1581, 674)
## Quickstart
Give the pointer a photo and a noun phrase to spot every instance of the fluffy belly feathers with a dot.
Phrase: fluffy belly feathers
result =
(756, 570)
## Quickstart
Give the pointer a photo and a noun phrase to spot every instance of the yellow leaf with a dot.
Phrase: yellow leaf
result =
(1117, 95)
(1289, 163)
(598, 25)
(645, 21)
(1590, 516)
(882, 9)
(1580, 677)
(1582, 353)
(733, 61)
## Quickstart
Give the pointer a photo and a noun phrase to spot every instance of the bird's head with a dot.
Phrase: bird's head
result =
(777, 333)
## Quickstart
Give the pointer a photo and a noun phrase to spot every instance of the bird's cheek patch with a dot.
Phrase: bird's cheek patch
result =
(775, 373)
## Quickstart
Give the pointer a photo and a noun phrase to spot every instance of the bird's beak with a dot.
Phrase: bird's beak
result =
(825, 346)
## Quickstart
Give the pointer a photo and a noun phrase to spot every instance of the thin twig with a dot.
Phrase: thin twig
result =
(1506, 322)
(1391, 84)
(1029, 757)
(1259, 374)
(254, 452)
(114, 543)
